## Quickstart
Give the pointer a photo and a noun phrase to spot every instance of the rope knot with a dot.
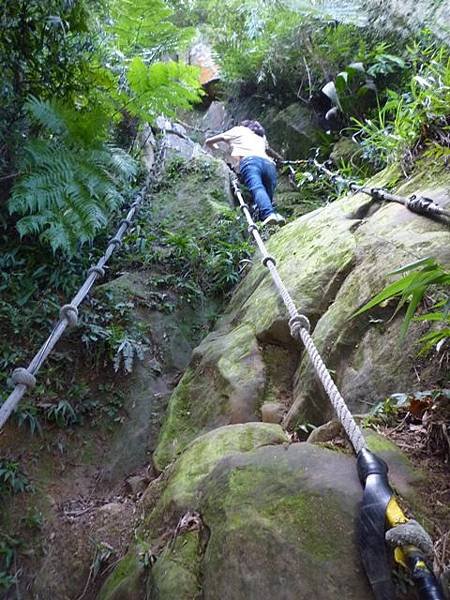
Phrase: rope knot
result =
(253, 227)
(22, 376)
(376, 193)
(421, 205)
(99, 271)
(267, 259)
(70, 314)
(297, 323)
(115, 241)
(126, 222)
(355, 187)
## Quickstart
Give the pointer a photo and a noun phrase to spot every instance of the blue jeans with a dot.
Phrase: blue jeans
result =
(260, 176)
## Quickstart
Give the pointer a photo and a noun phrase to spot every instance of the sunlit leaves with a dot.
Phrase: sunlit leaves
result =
(144, 27)
(162, 87)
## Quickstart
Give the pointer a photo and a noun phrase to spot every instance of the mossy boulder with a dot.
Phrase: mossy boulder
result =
(367, 353)
(230, 396)
(166, 500)
(293, 130)
(282, 525)
(346, 150)
(206, 450)
(194, 192)
(176, 574)
(126, 581)
(278, 521)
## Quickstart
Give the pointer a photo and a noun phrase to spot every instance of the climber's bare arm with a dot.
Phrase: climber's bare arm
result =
(274, 154)
(214, 140)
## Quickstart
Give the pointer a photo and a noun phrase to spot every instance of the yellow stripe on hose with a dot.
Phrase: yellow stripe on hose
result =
(394, 514)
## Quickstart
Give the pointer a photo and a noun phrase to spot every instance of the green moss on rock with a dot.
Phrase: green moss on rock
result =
(225, 387)
(126, 582)
(282, 519)
(176, 573)
(199, 459)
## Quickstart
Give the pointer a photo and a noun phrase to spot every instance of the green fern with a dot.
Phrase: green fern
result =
(162, 87)
(69, 187)
(144, 25)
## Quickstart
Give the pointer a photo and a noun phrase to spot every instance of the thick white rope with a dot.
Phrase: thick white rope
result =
(299, 327)
(25, 378)
(343, 413)
(408, 533)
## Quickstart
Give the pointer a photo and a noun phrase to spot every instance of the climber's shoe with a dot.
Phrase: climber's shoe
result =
(280, 219)
(270, 220)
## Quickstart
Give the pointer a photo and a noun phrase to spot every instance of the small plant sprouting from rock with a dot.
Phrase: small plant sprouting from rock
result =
(8, 554)
(102, 554)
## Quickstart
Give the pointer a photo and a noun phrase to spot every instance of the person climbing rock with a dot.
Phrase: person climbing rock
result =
(251, 157)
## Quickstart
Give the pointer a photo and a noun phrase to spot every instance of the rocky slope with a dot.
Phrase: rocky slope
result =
(333, 260)
(239, 512)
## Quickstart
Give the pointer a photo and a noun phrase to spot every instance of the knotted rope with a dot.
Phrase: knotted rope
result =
(408, 533)
(25, 378)
(299, 328)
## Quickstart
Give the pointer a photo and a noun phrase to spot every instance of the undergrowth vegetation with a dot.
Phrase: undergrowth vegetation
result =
(79, 80)
(422, 281)
(197, 257)
(415, 117)
(76, 75)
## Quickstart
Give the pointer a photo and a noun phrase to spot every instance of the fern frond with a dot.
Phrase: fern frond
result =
(162, 87)
(139, 24)
(68, 189)
(46, 113)
(122, 163)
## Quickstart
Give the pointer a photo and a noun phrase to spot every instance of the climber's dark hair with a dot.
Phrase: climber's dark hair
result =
(254, 126)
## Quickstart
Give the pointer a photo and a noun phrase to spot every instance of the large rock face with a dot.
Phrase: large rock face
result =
(333, 260)
(172, 333)
(293, 131)
(408, 15)
(277, 512)
(268, 519)
(238, 511)
(201, 55)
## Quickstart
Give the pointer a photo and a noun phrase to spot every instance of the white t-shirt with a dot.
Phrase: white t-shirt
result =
(244, 142)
